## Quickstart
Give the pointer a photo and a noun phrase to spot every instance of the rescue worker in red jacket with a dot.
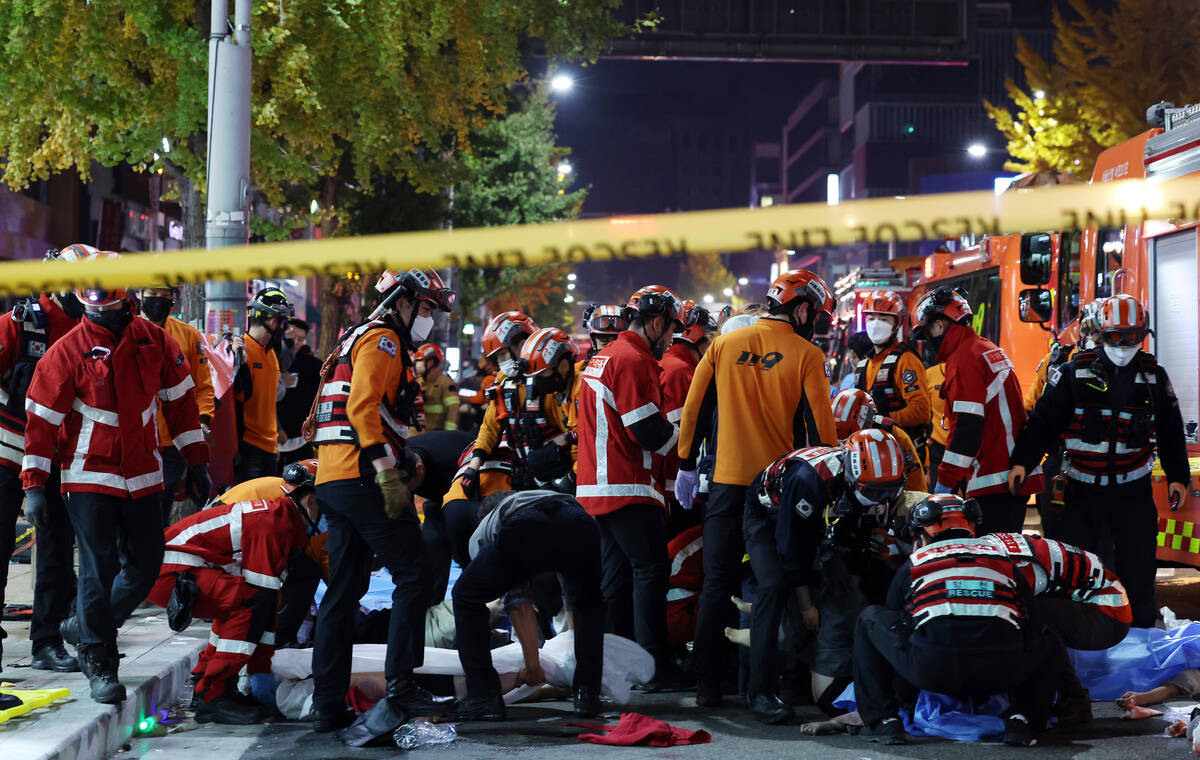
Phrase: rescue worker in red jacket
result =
(622, 432)
(678, 367)
(360, 425)
(25, 334)
(1112, 409)
(228, 563)
(92, 406)
(984, 410)
(256, 385)
(893, 374)
(770, 384)
(156, 303)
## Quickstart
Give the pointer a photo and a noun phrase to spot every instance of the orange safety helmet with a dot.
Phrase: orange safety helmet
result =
(801, 284)
(941, 302)
(97, 297)
(505, 328)
(605, 319)
(429, 351)
(885, 302)
(874, 466)
(545, 349)
(698, 323)
(420, 284)
(1123, 321)
(939, 513)
(852, 411)
(654, 301)
(299, 475)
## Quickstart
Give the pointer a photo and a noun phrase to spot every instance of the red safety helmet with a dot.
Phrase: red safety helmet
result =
(545, 349)
(97, 298)
(801, 284)
(1123, 321)
(420, 284)
(698, 323)
(826, 460)
(606, 319)
(429, 352)
(298, 475)
(874, 465)
(852, 411)
(938, 513)
(505, 328)
(942, 302)
(654, 301)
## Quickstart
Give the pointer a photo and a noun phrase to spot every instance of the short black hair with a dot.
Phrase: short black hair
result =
(299, 323)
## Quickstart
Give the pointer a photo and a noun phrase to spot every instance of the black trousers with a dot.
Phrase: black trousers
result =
(358, 530)
(174, 468)
(936, 451)
(438, 550)
(532, 543)
(1002, 513)
(772, 595)
(723, 550)
(54, 587)
(120, 555)
(633, 552)
(296, 597)
(1119, 524)
(887, 658)
(252, 462)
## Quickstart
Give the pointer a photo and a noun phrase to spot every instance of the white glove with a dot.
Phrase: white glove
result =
(687, 483)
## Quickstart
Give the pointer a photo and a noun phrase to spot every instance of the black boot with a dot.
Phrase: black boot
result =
(99, 664)
(69, 630)
(587, 702)
(771, 710)
(405, 694)
(53, 656)
(325, 721)
(481, 708)
(227, 708)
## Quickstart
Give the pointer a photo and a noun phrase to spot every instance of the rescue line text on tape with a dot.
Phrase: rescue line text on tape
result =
(878, 220)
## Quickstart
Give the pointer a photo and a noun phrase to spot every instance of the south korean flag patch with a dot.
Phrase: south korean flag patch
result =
(388, 346)
(804, 508)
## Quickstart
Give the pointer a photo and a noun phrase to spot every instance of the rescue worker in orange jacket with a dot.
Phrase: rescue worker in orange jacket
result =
(156, 303)
(623, 433)
(91, 406)
(256, 385)
(362, 411)
(854, 410)
(939, 434)
(771, 385)
(25, 334)
(678, 367)
(984, 411)
(229, 563)
(438, 391)
(894, 374)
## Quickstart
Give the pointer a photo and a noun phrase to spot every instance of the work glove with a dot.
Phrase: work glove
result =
(395, 493)
(470, 483)
(199, 484)
(687, 484)
(35, 506)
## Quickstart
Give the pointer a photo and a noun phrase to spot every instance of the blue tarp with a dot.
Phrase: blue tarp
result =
(379, 593)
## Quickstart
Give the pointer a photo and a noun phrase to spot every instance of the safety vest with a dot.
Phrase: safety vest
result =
(1103, 445)
(524, 426)
(969, 578)
(884, 380)
(332, 421)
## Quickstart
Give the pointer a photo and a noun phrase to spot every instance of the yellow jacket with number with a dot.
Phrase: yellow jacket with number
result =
(935, 376)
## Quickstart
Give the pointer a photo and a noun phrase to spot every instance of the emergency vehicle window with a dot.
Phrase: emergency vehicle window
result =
(983, 293)
(1109, 260)
(1068, 278)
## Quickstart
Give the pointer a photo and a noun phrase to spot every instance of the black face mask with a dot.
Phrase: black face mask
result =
(113, 320)
(156, 308)
(70, 305)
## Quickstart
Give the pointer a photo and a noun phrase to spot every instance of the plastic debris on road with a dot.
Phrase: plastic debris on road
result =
(422, 733)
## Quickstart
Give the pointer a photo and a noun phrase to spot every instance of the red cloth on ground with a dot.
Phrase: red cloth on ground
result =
(358, 701)
(636, 729)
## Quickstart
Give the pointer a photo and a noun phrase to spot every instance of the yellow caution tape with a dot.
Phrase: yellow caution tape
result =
(878, 220)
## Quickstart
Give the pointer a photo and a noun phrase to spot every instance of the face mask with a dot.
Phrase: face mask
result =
(156, 308)
(70, 305)
(509, 367)
(420, 329)
(879, 331)
(1121, 355)
(113, 320)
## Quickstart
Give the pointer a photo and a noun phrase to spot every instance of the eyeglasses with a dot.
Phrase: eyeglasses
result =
(1131, 336)
(881, 494)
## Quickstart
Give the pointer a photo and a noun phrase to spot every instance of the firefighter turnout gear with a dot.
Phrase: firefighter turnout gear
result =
(895, 378)
(440, 398)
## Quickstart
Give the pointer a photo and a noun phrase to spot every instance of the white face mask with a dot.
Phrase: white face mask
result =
(421, 327)
(508, 367)
(1120, 355)
(879, 331)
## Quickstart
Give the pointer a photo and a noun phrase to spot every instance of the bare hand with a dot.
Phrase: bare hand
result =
(281, 436)
(1016, 476)
(810, 618)
(532, 674)
(238, 343)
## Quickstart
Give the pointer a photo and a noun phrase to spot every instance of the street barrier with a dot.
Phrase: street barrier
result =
(878, 220)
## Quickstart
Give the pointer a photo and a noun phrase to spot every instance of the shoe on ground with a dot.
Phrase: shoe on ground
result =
(69, 630)
(889, 731)
(227, 709)
(328, 721)
(587, 703)
(54, 657)
(99, 664)
(1018, 732)
(482, 708)
(667, 678)
(1074, 710)
(708, 695)
(417, 701)
(770, 709)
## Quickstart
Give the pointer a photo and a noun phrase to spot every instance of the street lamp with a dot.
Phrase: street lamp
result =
(468, 329)
(1039, 94)
(571, 276)
(708, 298)
(977, 150)
(565, 168)
(743, 281)
(561, 83)
(728, 292)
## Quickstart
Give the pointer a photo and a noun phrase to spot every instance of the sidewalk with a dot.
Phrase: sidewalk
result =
(155, 670)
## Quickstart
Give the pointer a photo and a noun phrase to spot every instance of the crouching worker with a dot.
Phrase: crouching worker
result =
(522, 534)
(226, 563)
(958, 621)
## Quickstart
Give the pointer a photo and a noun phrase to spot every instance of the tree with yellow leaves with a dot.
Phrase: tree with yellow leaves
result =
(1108, 67)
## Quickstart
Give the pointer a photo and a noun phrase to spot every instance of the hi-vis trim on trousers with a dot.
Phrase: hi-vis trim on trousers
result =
(924, 217)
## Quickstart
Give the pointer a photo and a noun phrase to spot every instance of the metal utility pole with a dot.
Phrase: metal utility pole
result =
(227, 221)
